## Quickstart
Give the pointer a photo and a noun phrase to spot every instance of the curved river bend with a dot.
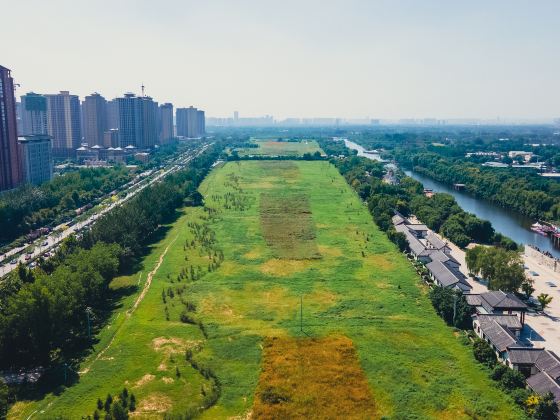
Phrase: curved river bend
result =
(511, 224)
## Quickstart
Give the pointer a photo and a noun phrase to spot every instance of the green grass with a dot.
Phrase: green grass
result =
(361, 287)
(272, 147)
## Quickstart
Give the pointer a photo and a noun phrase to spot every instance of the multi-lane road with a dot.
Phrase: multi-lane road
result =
(46, 244)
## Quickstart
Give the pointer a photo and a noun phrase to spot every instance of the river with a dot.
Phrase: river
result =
(511, 224)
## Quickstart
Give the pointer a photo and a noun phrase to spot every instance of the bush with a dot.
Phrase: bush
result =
(484, 353)
(546, 408)
(512, 379)
(498, 372)
(520, 396)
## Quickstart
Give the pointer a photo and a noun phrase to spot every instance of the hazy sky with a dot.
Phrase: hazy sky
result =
(350, 58)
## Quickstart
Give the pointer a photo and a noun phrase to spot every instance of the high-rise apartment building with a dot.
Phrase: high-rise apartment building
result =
(200, 123)
(137, 121)
(150, 127)
(130, 120)
(94, 115)
(36, 155)
(33, 114)
(113, 114)
(11, 173)
(64, 123)
(190, 123)
(165, 123)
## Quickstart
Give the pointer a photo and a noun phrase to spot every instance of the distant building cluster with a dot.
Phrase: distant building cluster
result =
(47, 127)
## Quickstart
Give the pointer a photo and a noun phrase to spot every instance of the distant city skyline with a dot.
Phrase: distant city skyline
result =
(346, 59)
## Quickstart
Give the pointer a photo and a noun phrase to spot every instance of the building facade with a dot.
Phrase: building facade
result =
(33, 114)
(113, 114)
(138, 121)
(200, 123)
(150, 127)
(130, 120)
(190, 122)
(36, 155)
(166, 123)
(94, 115)
(11, 173)
(64, 123)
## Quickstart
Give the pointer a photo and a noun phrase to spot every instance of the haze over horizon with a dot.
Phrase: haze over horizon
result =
(346, 59)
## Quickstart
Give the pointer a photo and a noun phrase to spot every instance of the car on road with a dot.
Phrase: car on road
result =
(13, 262)
(27, 257)
(533, 273)
(551, 284)
(46, 243)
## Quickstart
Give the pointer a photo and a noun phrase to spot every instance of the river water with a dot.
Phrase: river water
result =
(511, 224)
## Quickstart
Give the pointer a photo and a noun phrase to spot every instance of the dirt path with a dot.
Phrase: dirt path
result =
(149, 279)
(131, 310)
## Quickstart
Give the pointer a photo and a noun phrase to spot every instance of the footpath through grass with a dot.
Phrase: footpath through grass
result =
(228, 293)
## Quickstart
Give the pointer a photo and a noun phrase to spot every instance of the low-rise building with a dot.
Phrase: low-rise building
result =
(427, 247)
(498, 302)
(502, 332)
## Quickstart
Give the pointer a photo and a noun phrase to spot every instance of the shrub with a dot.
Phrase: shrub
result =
(546, 408)
(484, 353)
(512, 379)
(498, 372)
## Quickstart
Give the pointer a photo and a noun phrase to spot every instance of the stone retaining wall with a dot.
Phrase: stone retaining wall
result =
(542, 259)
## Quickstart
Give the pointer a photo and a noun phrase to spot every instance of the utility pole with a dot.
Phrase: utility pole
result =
(301, 313)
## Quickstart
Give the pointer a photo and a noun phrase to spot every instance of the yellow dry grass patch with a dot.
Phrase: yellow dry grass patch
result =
(281, 268)
(144, 380)
(380, 261)
(321, 297)
(170, 345)
(312, 378)
(252, 255)
(153, 403)
(330, 251)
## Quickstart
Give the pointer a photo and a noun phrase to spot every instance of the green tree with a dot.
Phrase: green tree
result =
(119, 412)
(447, 301)
(503, 269)
(498, 372)
(484, 353)
(512, 379)
(527, 287)
(544, 299)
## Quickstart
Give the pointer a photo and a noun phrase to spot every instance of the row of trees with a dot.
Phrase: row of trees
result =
(440, 213)
(523, 191)
(30, 207)
(44, 314)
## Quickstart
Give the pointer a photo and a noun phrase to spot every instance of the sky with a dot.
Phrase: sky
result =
(330, 58)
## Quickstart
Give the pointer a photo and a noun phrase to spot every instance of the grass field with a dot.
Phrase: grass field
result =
(228, 294)
(272, 147)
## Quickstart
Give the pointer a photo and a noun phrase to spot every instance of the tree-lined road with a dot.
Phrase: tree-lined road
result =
(46, 243)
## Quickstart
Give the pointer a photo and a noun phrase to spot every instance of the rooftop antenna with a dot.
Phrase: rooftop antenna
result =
(143, 90)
